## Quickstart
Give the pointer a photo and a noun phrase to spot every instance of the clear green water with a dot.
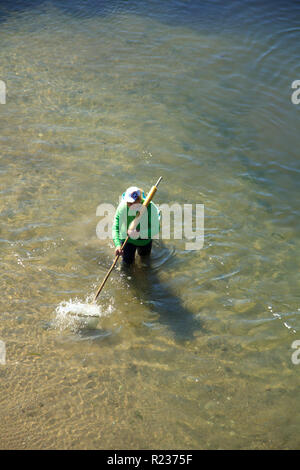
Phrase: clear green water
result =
(193, 352)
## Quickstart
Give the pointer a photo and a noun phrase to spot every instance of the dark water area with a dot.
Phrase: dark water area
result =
(166, 306)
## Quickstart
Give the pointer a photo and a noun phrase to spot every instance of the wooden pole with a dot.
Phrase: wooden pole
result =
(133, 225)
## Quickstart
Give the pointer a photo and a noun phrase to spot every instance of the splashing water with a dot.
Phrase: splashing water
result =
(75, 314)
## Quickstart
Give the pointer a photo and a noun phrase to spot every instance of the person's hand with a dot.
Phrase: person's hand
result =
(119, 251)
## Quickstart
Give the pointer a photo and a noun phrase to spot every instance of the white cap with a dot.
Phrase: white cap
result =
(132, 194)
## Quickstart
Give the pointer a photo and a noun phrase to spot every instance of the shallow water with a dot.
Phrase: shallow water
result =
(194, 350)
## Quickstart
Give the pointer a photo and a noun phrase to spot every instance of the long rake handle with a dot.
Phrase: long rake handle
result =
(146, 204)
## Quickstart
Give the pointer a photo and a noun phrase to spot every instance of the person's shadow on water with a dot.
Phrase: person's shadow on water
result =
(161, 299)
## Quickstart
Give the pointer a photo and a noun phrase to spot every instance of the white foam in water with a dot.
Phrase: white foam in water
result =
(75, 314)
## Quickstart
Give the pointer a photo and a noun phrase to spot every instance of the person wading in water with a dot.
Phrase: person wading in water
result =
(141, 238)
